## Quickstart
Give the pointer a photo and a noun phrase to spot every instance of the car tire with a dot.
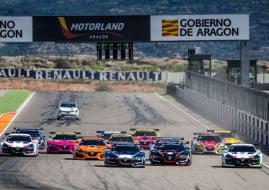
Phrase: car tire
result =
(58, 118)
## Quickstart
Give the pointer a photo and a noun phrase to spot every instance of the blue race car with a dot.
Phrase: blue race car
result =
(35, 133)
(125, 154)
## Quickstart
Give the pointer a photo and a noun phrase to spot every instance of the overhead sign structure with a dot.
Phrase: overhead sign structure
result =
(199, 27)
(16, 29)
(91, 28)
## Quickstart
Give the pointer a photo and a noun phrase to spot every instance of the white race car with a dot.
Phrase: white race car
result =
(68, 109)
(242, 155)
(19, 144)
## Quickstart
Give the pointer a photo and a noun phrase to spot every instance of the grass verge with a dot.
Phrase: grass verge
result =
(12, 100)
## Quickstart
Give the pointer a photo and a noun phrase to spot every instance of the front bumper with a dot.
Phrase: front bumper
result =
(202, 150)
(18, 151)
(171, 159)
(88, 155)
(60, 148)
(68, 115)
(124, 162)
(241, 162)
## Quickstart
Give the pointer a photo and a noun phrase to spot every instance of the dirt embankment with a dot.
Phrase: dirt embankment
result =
(80, 85)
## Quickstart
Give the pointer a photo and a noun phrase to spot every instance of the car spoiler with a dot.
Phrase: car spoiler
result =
(213, 131)
(197, 133)
(133, 129)
(17, 129)
(77, 133)
(111, 132)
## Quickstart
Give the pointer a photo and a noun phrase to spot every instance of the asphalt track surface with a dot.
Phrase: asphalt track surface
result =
(118, 111)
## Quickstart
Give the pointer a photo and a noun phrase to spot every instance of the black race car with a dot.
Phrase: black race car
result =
(171, 153)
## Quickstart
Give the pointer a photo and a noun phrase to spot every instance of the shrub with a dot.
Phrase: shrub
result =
(98, 66)
(62, 64)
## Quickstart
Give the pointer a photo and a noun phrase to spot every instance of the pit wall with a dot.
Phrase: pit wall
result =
(223, 112)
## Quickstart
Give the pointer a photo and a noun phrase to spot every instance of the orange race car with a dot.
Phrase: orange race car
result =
(90, 148)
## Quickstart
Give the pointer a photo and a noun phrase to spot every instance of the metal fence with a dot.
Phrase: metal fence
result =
(233, 106)
(251, 100)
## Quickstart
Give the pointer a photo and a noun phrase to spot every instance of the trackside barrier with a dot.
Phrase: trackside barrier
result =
(230, 116)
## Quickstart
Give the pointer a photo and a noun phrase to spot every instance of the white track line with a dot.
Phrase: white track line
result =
(181, 110)
(18, 111)
(190, 116)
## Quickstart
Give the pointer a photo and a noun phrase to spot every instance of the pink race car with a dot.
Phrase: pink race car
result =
(145, 137)
(62, 142)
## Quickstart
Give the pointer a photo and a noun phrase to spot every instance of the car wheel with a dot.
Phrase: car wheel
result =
(58, 118)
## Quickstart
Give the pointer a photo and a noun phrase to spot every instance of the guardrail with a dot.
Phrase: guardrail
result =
(215, 99)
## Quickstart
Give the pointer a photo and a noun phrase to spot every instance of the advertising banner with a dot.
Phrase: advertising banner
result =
(91, 28)
(199, 27)
(16, 29)
(81, 74)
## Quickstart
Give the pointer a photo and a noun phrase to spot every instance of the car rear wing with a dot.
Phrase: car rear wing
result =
(214, 131)
(53, 132)
(134, 129)
(197, 133)
(111, 132)
(211, 130)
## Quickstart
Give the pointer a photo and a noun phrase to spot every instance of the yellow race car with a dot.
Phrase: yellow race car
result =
(229, 136)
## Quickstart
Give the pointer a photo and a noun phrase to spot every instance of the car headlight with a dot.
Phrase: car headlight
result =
(182, 155)
(4, 145)
(228, 156)
(78, 150)
(257, 157)
(31, 146)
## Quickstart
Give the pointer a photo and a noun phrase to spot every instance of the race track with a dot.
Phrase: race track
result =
(118, 111)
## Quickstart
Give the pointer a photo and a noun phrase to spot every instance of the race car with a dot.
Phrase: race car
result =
(229, 136)
(115, 138)
(62, 142)
(177, 153)
(166, 140)
(67, 109)
(106, 134)
(19, 144)
(207, 142)
(125, 154)
(35, 133)
(90, 148)
(242, 155)
(145, 137)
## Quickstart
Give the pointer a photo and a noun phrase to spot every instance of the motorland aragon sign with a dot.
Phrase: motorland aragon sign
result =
(199, 27)
(16, 29)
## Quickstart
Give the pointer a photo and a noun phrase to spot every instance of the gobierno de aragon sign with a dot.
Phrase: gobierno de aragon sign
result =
(199, 27)
(16, 29)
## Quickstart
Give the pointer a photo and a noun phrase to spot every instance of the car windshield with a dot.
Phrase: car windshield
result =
(125, 149)
(68, 105)
(242, 149)
(33, 134)
(209, 138)
(65, 137)
(92, 143)
(227, 135)
(171, 147)
(145, 133)
(121, 139)
(19, 138)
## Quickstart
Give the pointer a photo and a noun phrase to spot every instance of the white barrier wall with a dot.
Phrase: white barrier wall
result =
(231, 117)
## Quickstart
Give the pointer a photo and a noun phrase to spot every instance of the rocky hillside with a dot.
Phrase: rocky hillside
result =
(258, 10)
